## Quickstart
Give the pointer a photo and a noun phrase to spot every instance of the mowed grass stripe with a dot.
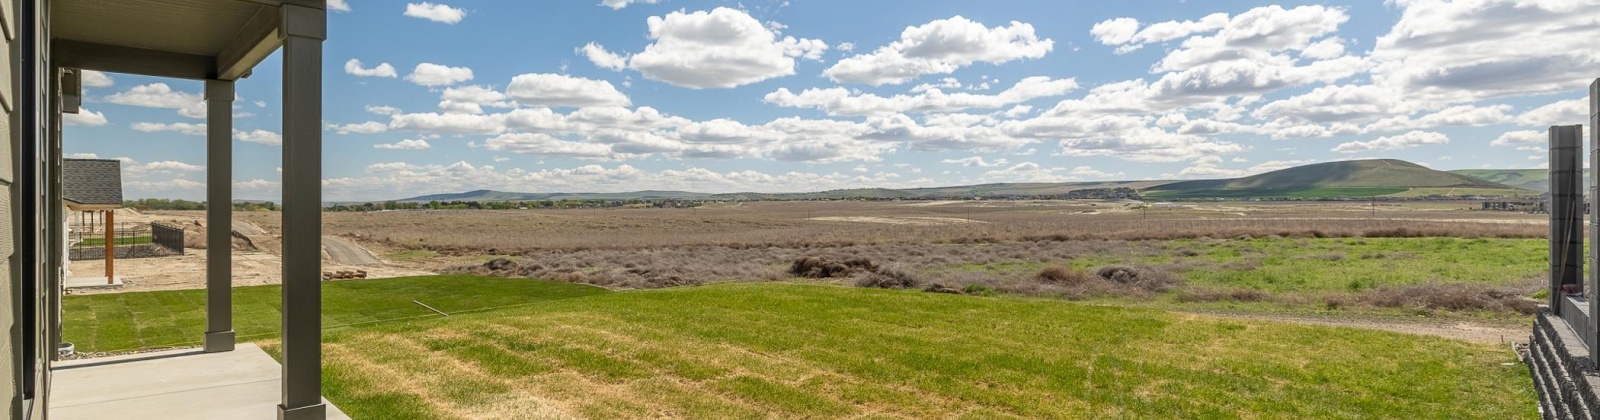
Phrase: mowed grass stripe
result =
(812, 351)
(128, 321)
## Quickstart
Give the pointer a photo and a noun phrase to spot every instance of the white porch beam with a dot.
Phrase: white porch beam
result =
(219, 216)
(303, 30)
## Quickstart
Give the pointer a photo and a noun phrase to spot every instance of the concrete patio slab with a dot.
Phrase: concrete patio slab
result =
(179, 384)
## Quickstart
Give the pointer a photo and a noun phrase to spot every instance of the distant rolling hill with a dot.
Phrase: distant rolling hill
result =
(1528, 179)
(963, 191)
(1353, 178)
(491, 195)
(966, 191)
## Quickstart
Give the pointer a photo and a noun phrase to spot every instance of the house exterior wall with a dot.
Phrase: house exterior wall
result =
(8, 239)
(26, 160)
(8, 144)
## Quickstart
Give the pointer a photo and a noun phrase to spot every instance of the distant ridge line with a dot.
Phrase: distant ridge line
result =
(1353, 177)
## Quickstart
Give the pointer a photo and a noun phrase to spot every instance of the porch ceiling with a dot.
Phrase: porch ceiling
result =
(194, 39)
(202, 27)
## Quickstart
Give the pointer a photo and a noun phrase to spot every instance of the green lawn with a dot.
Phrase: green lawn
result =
(800, 350)
(1309, 266)
(119, 241)
(1350, 264)
(126, 321)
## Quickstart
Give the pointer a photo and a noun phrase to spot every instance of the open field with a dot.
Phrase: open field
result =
(828, 223)
(796, 350)
(780, 309)
(1323, 258)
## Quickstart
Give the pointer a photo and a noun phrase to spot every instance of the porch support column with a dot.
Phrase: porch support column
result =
(303, 30)
(219, 216)
(1566, 215)
(1592, 334)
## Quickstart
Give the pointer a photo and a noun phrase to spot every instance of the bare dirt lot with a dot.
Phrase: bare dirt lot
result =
(256, 258)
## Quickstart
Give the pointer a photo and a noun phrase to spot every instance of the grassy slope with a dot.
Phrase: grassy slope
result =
(1531, 179)
(785, 350)
(1355, 178)
(1297, 192)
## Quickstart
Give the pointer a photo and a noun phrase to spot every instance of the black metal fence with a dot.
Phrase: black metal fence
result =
(167, 236)
(128, 240)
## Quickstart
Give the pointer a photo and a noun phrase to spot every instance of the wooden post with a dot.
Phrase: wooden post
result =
(111, 246)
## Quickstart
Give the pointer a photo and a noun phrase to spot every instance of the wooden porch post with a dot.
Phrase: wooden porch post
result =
(111, 246)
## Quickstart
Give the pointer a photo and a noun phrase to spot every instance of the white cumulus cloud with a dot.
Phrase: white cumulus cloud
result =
(940, 47)
(91, 78)
(259, 136)
(1475, 49)
(84, 117)
(619, 4)
(557, 90)
(354, 68)
(601, 58)
(436, 75)
(722, 48)
(1395, 142)
(441, 13)
(407, 144)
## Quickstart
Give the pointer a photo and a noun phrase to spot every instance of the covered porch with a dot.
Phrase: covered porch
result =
(219, 42)
(177, 384)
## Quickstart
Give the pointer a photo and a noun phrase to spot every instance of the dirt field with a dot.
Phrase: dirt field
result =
(815, 223)
(256, 258)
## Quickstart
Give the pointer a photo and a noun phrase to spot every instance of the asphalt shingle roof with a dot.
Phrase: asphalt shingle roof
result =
(92, 181)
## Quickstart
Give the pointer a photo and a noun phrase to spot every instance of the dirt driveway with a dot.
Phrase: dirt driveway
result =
(342, 251)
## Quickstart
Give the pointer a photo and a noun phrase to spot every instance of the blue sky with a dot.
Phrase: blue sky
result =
(772, 96)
